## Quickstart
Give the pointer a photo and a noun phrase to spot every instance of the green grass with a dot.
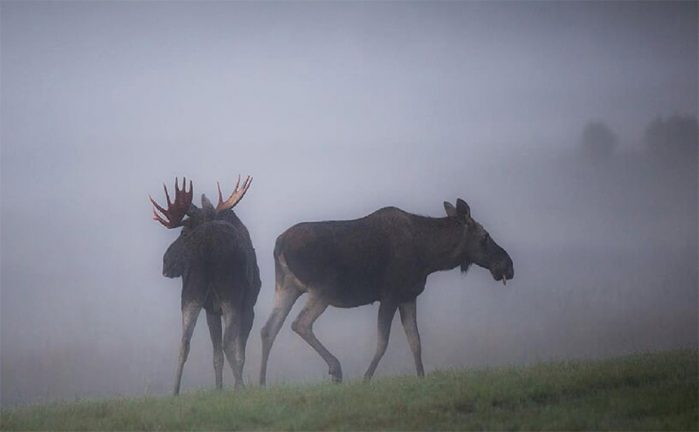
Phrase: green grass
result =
(640, 392)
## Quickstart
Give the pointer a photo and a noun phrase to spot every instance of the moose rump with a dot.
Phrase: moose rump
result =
(347, 276)
(211, 256)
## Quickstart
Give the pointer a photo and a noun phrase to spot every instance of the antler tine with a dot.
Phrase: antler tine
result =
(220, 196)
(172, 217)
(156, 205)
(157, 217)
(167, 195)
(236, 196)
(185, 195)
(178, 192)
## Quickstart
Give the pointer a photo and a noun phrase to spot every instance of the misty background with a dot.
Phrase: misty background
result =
(569, 128)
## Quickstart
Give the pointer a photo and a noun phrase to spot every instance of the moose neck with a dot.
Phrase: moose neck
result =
(441, 242)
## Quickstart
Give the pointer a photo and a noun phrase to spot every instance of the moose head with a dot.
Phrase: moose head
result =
(478, 246)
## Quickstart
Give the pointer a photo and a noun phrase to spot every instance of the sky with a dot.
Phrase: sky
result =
(337, 109)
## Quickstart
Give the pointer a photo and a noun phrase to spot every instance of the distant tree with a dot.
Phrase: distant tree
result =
(672, 138)
(598, 140)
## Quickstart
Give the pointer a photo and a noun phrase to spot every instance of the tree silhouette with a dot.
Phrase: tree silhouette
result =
(673, 138)
(598, 140)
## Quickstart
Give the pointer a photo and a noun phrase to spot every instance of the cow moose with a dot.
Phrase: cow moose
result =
(385, 257)
(215, 258)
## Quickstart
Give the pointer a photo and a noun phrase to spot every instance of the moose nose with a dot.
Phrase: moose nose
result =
(505, 271)
(509, 270)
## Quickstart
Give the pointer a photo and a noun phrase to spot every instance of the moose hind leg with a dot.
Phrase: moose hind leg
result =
(216, 332)
(408, 316)
(386, 312)
(241, 342)
(190, 312)
(231, 332)
(284, 299)
(303, 325)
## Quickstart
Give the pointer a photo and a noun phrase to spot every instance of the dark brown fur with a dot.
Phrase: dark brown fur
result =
(385, 257)
(216, 260)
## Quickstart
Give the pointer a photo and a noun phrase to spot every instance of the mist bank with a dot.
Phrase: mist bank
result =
(605, 259)
(569, 128)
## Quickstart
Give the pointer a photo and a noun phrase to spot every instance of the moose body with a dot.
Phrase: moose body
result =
(385, 257)
(361, 261)
(215, 258)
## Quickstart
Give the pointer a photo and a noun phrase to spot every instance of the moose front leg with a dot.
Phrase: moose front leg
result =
(386, 312)
(408, 316)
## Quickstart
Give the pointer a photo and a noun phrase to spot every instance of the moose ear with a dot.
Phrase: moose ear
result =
(205, 203)
(450, 209)
(462, 208)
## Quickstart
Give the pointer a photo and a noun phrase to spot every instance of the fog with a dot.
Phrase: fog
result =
(338, 109)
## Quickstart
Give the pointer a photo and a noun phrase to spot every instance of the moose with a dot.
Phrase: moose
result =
(385, 257)
(215, 258)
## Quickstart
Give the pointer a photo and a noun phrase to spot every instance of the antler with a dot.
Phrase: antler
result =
(235, 197)
(172, 217)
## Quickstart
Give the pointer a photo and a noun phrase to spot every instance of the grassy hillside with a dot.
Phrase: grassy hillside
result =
(641, 392)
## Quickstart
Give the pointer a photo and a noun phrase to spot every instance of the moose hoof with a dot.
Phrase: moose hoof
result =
(336, 374)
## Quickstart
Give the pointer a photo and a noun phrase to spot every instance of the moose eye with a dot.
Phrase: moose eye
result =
(485, 239)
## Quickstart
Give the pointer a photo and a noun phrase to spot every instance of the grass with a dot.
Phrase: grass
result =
(639, 392)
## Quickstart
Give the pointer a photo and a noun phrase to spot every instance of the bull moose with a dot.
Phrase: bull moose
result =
(215, 258)
(385, 257)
